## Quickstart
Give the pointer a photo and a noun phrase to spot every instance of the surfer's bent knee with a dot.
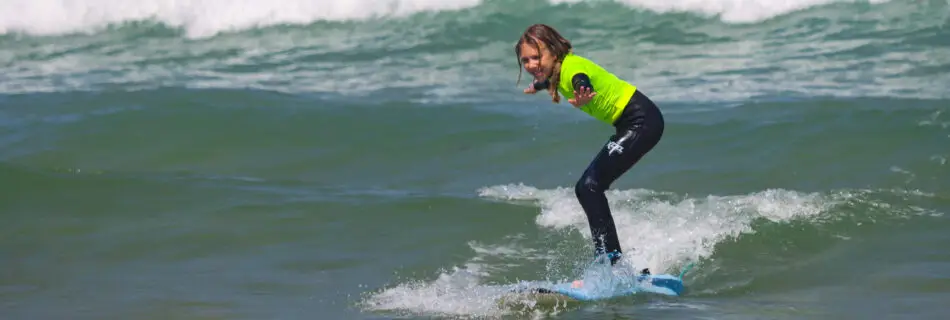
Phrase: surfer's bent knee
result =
(586, 185)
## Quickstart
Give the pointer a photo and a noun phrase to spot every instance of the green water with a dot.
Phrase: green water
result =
(320, 167)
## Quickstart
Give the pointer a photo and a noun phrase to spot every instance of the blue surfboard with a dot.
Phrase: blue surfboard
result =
(611, 286)
(664, 284)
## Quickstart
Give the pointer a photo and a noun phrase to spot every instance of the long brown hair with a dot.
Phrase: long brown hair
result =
(540, 35)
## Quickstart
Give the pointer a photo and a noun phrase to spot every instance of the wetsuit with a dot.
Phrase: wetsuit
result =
(639, 126)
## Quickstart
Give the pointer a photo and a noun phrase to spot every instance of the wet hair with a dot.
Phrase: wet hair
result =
(544, 36)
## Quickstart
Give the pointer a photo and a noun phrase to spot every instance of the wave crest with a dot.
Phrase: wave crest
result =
(201, 18)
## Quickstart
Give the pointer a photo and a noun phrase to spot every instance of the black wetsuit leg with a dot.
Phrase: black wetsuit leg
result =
(639, 129)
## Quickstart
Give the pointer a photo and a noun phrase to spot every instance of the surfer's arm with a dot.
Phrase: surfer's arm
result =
(583, 90)
(541, 85)
(578, 80)
(581, 80)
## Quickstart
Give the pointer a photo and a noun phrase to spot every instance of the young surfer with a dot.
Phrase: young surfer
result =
(544, 53)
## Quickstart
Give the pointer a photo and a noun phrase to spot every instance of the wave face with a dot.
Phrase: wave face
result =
(686, 50)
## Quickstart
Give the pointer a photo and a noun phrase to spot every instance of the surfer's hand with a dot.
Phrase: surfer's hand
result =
(530, 89)
(582, 97)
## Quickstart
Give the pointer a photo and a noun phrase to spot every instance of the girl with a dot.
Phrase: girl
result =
(638, 122)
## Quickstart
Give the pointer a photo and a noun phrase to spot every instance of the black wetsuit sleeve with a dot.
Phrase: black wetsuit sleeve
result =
(541, 85)
(581, 80)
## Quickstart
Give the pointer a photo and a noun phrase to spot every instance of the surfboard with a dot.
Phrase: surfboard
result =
(609, 287)
(664, 284)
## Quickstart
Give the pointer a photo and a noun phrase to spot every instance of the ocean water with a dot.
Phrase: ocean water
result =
(292, 159)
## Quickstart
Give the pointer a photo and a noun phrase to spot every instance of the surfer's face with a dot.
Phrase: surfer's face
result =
(537, 62)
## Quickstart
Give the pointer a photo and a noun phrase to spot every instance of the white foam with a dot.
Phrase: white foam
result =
(199, 17)
(658, 230)
(207, 17)
(453, 292)
(661, 231)
(730, 10)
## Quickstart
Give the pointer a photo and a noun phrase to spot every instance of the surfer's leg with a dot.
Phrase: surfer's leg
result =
(590, 193)
(619, 154)
(606, 167)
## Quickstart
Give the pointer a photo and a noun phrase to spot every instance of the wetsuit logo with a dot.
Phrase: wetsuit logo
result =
(614, 147)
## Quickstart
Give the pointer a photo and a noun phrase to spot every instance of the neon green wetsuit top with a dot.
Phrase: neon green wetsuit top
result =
(613, 93)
